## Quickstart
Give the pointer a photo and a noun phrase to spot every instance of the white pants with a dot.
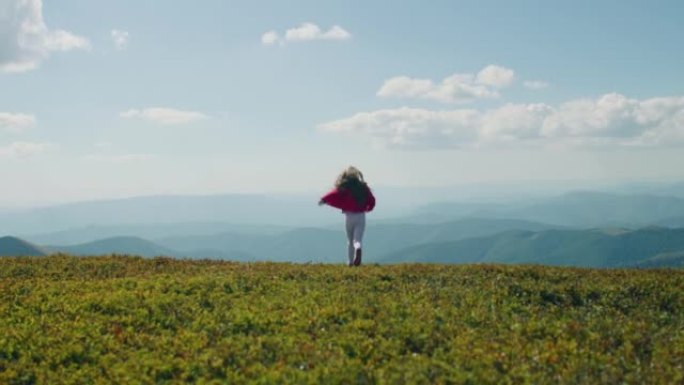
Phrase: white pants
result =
(355, 224)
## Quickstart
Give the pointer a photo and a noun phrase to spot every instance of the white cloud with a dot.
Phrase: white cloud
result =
(163, 115)
(611, 119)
(310, 31)
(457, 88)
(269, 38)
(120, 38)
(404, 86)
(60, 40)
(15, 123)
(411, 127)
(495, 76)
(25, 40)
(306, 32)
(535, 84)
(513, 122)
(118, 159)
(336, 33)
(24, 150)
(612, 115)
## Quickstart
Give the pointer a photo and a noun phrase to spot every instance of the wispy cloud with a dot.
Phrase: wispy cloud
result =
(305, 32)
(163, 115)
(25, 150)
(102, 144)
(457, 88)
(410, 127)
(535, 84)
(25, 39)
(15, 123)
(611, 119)
(120, 38)
(118, 158)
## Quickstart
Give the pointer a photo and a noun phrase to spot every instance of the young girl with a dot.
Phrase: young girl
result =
(353, 196)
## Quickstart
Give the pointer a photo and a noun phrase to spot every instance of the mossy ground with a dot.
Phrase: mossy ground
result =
(130, 320)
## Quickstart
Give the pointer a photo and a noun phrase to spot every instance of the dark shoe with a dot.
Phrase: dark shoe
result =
(357, 258)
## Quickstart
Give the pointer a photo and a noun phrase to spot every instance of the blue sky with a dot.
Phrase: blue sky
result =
(114, 99)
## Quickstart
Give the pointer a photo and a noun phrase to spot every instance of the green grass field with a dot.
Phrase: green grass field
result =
(130, 320)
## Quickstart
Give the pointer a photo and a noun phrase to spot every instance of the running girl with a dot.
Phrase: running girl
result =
(353, 196)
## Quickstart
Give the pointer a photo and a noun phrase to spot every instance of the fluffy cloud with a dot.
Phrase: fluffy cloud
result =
(611, 119)
(495, 76)
(513, 122)
(457, 88)
(535, 84)
(25, 40)
(611, 115)
(24, 150)
(270, 37)
(411, 127)
(163, 115)
(15, 122)
(305, 32)
(120, 38)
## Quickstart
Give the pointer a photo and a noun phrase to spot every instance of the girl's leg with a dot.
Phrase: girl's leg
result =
(349, 226)
(358, 229)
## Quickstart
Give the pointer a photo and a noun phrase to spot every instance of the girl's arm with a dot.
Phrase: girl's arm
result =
(370, 201)
(332, 198)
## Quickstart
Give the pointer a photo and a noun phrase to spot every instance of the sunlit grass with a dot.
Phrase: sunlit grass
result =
(131, 320)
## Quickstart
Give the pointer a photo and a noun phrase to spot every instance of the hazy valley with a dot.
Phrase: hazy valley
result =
(578, 228)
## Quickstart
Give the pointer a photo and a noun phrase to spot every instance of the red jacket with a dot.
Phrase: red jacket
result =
(344, 200)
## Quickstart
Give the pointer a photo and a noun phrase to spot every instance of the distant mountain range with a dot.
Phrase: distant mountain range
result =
(655, 247)
(453, 242)
(672, 222)
(233, 208)
(291, 228)
(327, 245)
(91, 233)
(115, 245)
(298, 244)
(167, 216)
(15, 247)
(574, 209)
(671, 259)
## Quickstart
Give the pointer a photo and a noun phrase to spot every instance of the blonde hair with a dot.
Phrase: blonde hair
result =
(352, 179)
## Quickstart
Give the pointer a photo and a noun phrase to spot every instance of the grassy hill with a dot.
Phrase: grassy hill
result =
(589, 248)
(134, 320)
(12, 246)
